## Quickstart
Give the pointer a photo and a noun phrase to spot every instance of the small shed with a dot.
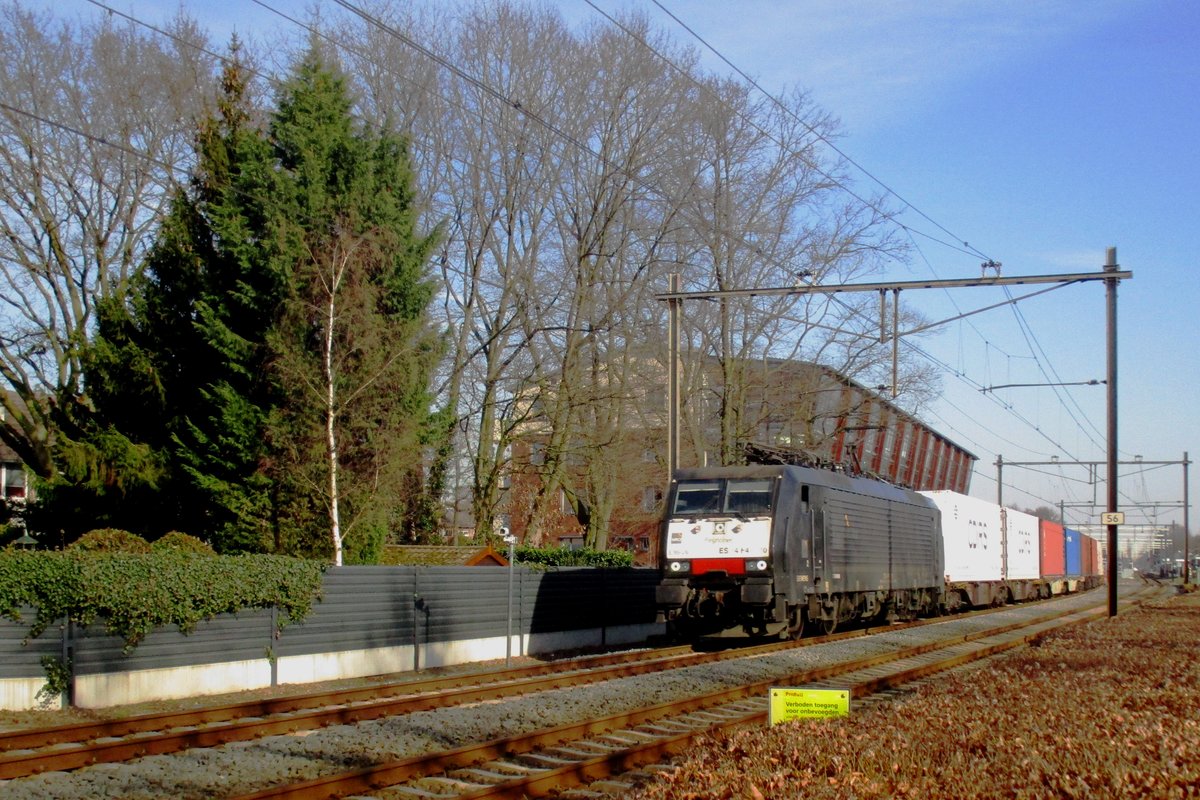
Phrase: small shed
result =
(419, 555)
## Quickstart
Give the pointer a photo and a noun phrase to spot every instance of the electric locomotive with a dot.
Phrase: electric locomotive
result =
(769, 549)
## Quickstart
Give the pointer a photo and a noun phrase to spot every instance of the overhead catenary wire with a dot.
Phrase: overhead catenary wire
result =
(1029, 335)
(908, 229)
(816, 133)
(804, 123)
(1051, 375)
(490, 91)
(966, 247)
(341, 44)
(483, 86)
(373, 20)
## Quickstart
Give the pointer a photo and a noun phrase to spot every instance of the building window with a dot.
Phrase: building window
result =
(504, 465)
(652, 498)
(14, 480)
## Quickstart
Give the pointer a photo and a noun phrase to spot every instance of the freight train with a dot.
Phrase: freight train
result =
(771, 549)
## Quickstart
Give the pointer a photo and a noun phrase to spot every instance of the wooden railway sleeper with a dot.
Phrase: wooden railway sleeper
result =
(595, 746)
(580, 750)
(482, 774)
(627, 737)
(513, 769)
(411, 791)
(547, 760)
(451, 786)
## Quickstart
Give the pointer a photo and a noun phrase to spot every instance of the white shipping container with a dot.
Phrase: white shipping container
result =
(972, 537)
(1021, 543)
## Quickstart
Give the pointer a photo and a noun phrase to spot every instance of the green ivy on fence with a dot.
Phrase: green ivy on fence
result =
(132, 594)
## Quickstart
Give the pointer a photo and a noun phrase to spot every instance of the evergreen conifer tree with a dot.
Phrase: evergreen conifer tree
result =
(273, 363)
(355, 349)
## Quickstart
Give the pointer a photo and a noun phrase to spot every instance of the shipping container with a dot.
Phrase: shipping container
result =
(1091, 556)
(1053, 550)
(1022, 546)
(972, 537)
(1074, 552)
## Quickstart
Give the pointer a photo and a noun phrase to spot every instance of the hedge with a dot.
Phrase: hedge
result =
(134, 593)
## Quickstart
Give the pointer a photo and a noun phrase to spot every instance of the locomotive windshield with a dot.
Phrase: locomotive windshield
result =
(737, 497)
(697, 497)
(749, 497)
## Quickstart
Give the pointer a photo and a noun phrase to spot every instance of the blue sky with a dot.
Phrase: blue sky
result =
(1039, 131)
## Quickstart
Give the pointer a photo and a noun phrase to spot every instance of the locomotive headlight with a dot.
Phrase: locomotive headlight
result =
(679, 566)
(756, 566)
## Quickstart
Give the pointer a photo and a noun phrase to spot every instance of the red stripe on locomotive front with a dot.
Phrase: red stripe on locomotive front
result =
(730, 566)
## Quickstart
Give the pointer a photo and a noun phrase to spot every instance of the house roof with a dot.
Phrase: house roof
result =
(442, 556)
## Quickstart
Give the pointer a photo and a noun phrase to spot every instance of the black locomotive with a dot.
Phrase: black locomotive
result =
(772, 549)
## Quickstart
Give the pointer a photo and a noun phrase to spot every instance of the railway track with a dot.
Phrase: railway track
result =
(603, 744)
(581, 754)
(67, 747)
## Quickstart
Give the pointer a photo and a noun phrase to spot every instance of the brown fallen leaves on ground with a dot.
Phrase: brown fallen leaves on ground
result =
(1105, 710)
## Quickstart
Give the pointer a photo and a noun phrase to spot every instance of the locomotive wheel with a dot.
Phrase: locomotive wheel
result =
(828, 626)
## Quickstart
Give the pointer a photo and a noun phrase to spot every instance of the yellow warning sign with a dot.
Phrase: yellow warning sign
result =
(788, 704)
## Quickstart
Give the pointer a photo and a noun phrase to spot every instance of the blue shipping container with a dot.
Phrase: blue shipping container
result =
(1074, 545)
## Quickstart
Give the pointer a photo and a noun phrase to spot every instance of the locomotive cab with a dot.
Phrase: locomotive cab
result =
(719, 564)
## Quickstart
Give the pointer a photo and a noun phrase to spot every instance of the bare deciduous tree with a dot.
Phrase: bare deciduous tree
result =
(96, 123)
(574, 170)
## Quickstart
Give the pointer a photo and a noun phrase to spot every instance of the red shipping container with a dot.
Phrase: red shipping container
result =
(1054, 549)
(1091, 556)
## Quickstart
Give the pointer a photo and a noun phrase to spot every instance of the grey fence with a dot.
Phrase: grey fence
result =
(362, 607)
